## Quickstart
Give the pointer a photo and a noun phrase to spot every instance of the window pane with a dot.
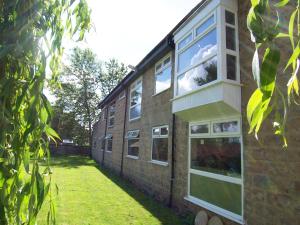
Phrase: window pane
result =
(205, 25)
(231, 67)
(103, 144)
(158, 67)
(164, 131)
(155, 131)
(230, 38)
(160, 149)
(163, 80)
(226, 127)
(217, 155)
(185, 41)
(198, 76)
(109, 145)
(133, 147)
(135, 112)
(229, 17)
(207, 45)
(167, 61)
(219, 193)
(199, 129)
(111, 121)
(136, 96)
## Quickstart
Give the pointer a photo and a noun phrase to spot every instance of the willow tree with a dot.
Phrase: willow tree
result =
(265, 24)
(31, 34)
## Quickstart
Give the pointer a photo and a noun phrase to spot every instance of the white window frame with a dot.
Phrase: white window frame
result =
(220, 26)
(111, 107)
(161, 69)
(202, 203)
(159, 162)
(133, 87)
(109, 137)
(122, 94)
(134, 137)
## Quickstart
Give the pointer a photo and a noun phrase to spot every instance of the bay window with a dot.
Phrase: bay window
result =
(163, 74)
(215, 171)
(135, 100)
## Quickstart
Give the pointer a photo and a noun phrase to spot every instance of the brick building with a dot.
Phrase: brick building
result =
(176, 126)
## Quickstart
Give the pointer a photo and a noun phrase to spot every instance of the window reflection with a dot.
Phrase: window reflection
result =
(205, 25)
(226, 127)
(163, 80)
(231, 67)
(133, 147)
(135, 112)
(160, 149)
(204, 47)
(199, 129)
(217, 155)
(200, 75)
(230, 38)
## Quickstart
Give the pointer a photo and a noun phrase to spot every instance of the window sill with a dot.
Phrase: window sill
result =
(108, 151)
(135, 119)
(110, 127)
(159, 163)
(222, 212)
(158, 93)
(132, 157)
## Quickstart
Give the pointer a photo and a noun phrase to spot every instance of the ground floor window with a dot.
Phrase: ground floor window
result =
(215, 171)
(102, 144)
(109, 142)
(133, 143)
(160, 143)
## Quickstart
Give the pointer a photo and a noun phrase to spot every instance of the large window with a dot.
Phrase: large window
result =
(197, 57)
(160, 144)
(111, 115)
(215, 176)
(133, 143)
(163, 74)
(109, 142)
(135, 100)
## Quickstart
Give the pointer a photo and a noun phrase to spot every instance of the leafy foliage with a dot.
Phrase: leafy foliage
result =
(111, 75)
(30, 39)
(267, 34)
(78, 93)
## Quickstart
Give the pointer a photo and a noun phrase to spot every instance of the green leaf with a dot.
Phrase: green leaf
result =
(291, 27)
(51, 133)
(253, 103)
(282, 3)
(255, 67)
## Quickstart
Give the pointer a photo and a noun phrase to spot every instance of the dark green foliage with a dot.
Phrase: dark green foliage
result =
(31, 33)
(266, 34)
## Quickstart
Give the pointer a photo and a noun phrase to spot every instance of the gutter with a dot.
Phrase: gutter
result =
(172, 161)
(124, 127)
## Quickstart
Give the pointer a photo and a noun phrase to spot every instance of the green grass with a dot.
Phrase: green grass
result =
(92, 196)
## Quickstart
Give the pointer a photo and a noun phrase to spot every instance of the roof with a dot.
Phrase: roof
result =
(164, 46)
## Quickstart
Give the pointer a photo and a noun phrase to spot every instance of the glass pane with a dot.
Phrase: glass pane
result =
(219, 193)
(155, 131)
(111, 121)
(136, 96)
(103, 144)
(133, 147)
(217, 155)
(164, 131)
(158, 67)
(185, 41)
(229, 17)
(198, 76)
(167, 61)
(231, 126)
(207, 45)
(109, 145)
(135, 112)
(199, 129)
(163, 80)
(230, 38)
(160, 149)
(205, 25)
(231, 67)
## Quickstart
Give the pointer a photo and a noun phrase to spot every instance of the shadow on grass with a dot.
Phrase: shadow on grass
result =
(164, 214)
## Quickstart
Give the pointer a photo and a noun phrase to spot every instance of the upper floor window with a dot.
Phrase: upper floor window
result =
(135, 100)
(196, 59)
(163, 74)
(111, 115)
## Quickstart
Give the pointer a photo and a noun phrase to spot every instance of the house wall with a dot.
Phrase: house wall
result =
(98, 134)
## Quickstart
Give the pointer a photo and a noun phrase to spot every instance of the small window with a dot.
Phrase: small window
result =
(122, 95)
(163, 75)
(205, 25)
(230, 38)
(160, 143)
(102, 144)
(200, 129)
(229, 17)
(226, 127)
(231, 67)
(111, 115)
(133, 143)
(109, 142)
(185, 41)
(135, 100)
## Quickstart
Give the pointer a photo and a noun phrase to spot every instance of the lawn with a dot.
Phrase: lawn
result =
(89, 195)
